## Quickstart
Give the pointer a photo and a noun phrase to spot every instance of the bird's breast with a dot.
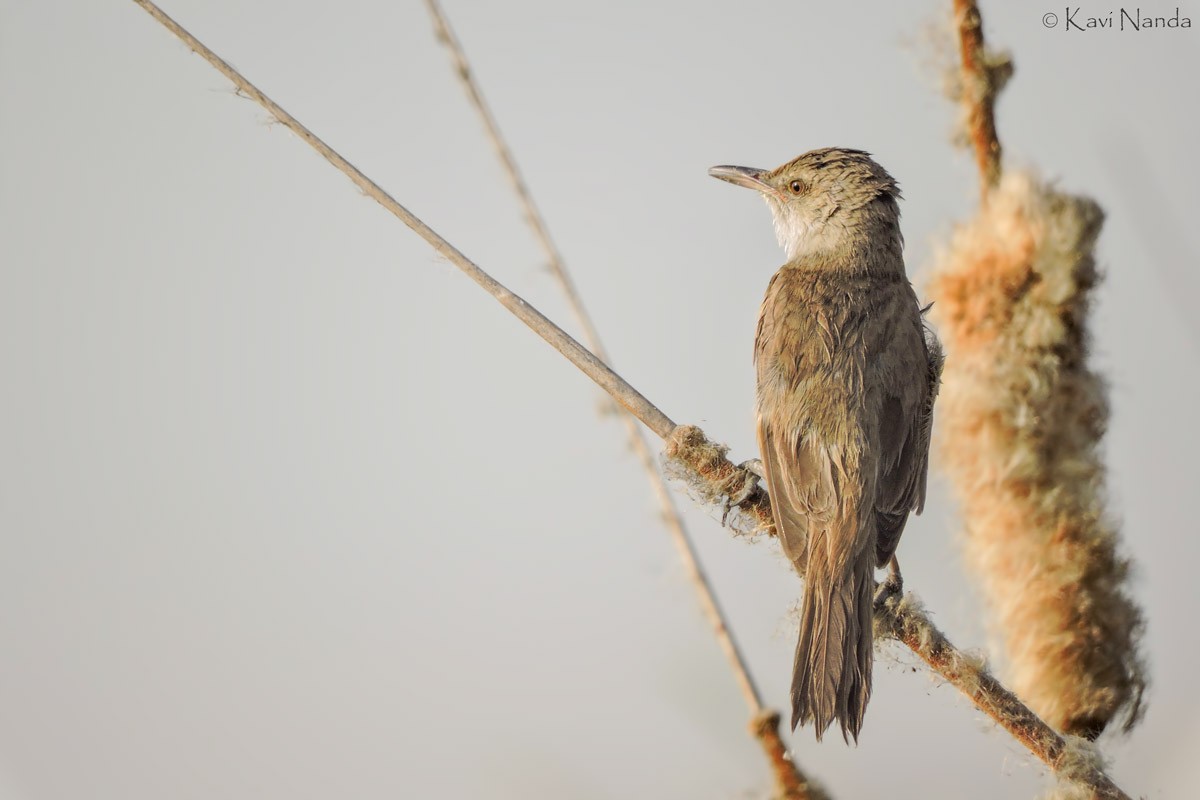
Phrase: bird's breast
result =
(819, 346)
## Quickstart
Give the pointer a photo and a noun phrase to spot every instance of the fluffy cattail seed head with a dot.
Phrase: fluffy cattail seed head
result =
(1021, 417)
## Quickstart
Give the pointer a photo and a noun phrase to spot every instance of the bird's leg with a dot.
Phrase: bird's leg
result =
(892, 586)
(752, 472)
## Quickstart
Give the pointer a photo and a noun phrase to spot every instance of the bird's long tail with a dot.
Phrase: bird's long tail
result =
(832, 675)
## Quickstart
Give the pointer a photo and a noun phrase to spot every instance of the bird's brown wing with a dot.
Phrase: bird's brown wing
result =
(800, 480)
(904, 443)
(792, 336)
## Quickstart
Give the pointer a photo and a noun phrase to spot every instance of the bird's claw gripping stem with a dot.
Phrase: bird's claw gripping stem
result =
(892, 586)
(750, 472)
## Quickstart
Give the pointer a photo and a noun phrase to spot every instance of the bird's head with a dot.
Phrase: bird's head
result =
(824, 200)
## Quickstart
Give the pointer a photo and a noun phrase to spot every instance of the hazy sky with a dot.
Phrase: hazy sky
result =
(290, 508)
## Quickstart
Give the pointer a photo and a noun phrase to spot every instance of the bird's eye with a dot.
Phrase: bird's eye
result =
(796, 186)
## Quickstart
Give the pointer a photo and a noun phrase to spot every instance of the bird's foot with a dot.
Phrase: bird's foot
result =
(892, 586)
(754, 466)
(749, 473)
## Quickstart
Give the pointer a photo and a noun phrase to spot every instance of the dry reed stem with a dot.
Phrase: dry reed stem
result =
(904, 620)
(789, 781)
(703, 463)
(594, 368)
(982, 77)
(1022, 416)
(701, 459)
(703, 466)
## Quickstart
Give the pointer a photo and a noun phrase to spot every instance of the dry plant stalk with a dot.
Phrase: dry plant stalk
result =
(1080, 761)
(904, 620)
(976, 85)
(703, 465)
(619, 389)
(1021, 416)
(704, 461)
(790, 782)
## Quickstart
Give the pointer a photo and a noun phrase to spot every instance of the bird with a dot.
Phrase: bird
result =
(847, 373)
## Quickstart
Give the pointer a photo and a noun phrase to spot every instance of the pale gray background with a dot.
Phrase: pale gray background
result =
(289, 508)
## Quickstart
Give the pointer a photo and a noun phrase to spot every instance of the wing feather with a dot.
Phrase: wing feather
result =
(904, 440)
(802, 487)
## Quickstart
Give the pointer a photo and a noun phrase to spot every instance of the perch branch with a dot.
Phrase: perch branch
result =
(906, 622)
(594, 368)
(687, 444)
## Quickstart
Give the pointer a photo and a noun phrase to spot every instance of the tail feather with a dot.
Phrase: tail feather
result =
(832, 674)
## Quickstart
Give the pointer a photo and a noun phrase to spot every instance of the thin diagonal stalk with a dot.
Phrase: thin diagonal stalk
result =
(591, 338)
(904, 621)
(684, 442)
(533, 216)
(709, 604)
(578, 355)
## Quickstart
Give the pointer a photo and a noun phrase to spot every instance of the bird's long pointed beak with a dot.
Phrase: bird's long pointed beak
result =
(749, 177)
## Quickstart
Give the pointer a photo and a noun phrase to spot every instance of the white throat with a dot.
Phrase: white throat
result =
(797, 235)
